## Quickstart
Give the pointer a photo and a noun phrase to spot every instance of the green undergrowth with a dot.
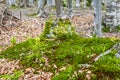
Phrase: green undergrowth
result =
(62, 47)
(107, 29)
(14, 76)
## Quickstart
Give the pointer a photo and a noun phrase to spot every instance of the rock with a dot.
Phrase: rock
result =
(117, 55)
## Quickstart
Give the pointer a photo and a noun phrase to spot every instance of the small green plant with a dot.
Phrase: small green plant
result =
(106, 29)
(63, 30)
(118, 29)
(64, 3)
(13, 41)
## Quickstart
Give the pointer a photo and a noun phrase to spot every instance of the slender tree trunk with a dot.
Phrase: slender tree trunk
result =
(26, 3)
(53, 2)
(50, 3)
(69, 3)
(58, 4)
(31, 3)
(41, 4)
(77, 3)
(92, 3)
(98, 18)
(85, 2)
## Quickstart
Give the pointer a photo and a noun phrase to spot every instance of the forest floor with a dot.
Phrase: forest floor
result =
(31, 27)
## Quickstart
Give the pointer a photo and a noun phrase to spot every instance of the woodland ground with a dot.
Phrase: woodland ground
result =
(22, 58)
(30, 26)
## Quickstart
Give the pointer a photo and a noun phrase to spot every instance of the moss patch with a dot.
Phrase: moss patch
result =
(65, 51)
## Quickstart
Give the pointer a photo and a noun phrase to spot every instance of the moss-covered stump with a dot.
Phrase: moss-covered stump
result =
(66, 55)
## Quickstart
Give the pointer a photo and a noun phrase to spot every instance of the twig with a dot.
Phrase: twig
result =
(85, 65)
(89, 35)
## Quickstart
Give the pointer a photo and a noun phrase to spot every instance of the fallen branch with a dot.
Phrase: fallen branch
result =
(7, 12)
(8, 16)
(89, 36)
(107, 52)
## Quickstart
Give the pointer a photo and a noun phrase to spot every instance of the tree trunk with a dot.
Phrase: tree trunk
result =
(26, 3)
(58, 4)
(97, 18)
(77, 3)
(69, 3)
(41, 4)
(85, 2)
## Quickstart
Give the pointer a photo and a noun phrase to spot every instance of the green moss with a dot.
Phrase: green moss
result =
(13, 76)
(107, 65)
(62, 51)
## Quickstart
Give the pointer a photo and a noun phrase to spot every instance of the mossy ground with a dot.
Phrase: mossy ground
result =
(66, 51)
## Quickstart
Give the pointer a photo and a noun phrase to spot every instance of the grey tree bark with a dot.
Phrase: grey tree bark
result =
(77, 3)
(97, 18)
(85, 2)
(112, 18)
(69, 3)
(26, 3)
(11, 2)
(58, 4)
(41, 5)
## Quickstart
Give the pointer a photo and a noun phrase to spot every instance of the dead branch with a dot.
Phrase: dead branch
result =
(8, 13)
(8, 16)
(116, 46)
